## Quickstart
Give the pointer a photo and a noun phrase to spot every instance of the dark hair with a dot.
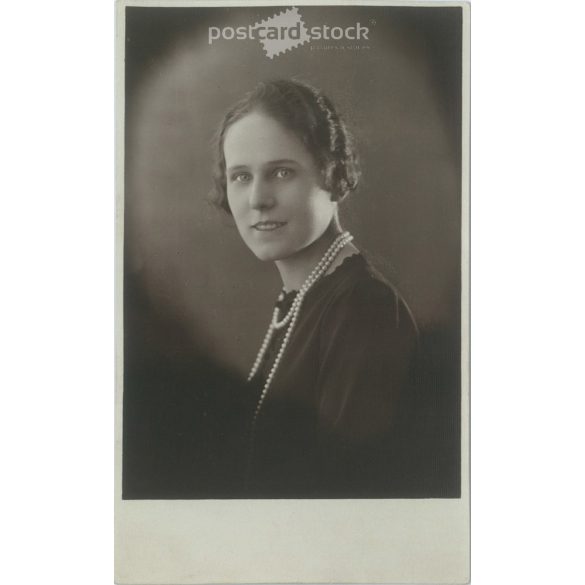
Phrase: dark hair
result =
(312, 117)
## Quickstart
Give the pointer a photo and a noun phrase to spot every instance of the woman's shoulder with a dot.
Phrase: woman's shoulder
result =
(362, 292)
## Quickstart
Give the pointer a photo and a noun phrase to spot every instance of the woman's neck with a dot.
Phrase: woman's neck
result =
(295, 269)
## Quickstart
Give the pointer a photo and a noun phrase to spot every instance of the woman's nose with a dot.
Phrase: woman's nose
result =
(261, 195)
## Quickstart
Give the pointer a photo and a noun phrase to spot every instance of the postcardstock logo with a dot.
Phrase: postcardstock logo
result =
(285, 31)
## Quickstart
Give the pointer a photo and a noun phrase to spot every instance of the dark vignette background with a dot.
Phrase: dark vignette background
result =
(196, 303)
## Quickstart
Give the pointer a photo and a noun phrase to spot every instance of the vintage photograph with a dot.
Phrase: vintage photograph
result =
(291, 252)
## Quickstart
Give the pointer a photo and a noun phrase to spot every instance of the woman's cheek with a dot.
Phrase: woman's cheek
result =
(232, 201)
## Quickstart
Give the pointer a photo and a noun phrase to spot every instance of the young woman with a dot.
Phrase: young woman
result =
(332, 375)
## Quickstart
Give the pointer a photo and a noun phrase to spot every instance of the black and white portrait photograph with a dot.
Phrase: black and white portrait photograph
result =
(292, 251)
(292, 292)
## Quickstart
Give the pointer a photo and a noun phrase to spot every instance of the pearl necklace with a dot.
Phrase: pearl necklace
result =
(290, 319)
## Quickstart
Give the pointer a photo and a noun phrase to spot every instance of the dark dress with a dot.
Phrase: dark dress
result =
(336, 420)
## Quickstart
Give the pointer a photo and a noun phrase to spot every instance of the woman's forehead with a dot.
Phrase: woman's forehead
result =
(258, 139)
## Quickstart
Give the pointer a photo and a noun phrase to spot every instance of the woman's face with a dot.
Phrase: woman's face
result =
(274, 188)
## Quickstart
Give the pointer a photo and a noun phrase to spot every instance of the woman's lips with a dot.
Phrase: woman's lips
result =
(268, 226)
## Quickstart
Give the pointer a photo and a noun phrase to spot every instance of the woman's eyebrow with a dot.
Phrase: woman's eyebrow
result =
(270, 163)
(282, 161)
(237, 168)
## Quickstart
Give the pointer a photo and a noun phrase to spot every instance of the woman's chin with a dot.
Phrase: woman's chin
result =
(275, 251)
(265, 255)
(271, 252)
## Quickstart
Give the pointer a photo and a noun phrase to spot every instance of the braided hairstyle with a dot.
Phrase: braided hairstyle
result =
(311, 116)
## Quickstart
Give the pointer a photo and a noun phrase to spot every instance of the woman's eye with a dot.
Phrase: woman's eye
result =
(283, 173)
(241, 177)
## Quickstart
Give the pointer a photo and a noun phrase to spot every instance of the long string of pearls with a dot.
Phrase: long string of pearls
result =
(290, 319)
